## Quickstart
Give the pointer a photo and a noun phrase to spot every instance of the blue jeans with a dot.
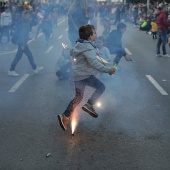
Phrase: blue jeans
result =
(162, 39)
(92, 81)
(119, 53)
(19, 56)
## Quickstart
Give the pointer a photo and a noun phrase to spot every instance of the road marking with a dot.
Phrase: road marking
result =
(18, 83)
(10, 52)
(49, 49)
(61, 22)
(159, 88)
(60, 36)
(40, 34)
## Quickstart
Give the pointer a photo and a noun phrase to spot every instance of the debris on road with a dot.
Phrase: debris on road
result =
(48, 154)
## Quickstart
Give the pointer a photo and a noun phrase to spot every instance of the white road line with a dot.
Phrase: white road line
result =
(60, 36)
(61, 22)
(10, 52)
(40, 34)
(159, 88)
(18, 83)
(49, 49)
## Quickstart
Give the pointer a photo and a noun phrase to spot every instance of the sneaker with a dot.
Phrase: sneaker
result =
(38, 69)
(165, 55)
(63, 120)
(158, 55)
(13, 73)
(89, 109)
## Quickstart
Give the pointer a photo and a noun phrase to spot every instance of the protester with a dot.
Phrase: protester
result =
(23, 37)
(84, 53)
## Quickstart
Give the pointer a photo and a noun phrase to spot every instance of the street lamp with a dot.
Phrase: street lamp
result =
(148, 3)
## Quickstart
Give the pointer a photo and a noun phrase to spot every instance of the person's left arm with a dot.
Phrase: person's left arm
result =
(93, 61)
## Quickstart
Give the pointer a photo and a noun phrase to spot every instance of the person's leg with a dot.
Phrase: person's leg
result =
(159, 42)
(7, 33)
(99, 87)
(79, 91)
(30, 57)
(38, 30)
(164, 41)
(17, 58)
(153, 35)
(119, 53)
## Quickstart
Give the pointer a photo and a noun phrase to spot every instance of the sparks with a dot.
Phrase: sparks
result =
(98, 104)
(73, 126)
(64, 45)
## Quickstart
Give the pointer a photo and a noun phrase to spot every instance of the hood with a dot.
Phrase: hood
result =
(159, 13)
(80, 47)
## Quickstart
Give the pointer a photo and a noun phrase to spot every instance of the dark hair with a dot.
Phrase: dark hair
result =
(121, 25)
(86, 31)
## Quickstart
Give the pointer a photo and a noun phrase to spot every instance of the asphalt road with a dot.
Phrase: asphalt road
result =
(132, 130)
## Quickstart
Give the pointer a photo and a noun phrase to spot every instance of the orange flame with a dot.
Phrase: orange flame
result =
(73, 125)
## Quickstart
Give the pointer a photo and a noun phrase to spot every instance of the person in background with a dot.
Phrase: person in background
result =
(92, 20)
(102, 50)
(77, 16)
(146, 25)
(135, 15)
(154, 28)
(40, 16)
(47, 27)
(6, 21)
(55, 17)
(23, 37)
(162, 23)
(84, 53)
(117, 14)
(114, 43)
(63, 65)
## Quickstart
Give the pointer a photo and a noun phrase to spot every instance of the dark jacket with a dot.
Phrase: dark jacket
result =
(114, 40)
(23, 29)
(76, 19)
(161, 20)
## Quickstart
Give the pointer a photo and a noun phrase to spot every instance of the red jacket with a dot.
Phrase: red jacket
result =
(161, 20)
